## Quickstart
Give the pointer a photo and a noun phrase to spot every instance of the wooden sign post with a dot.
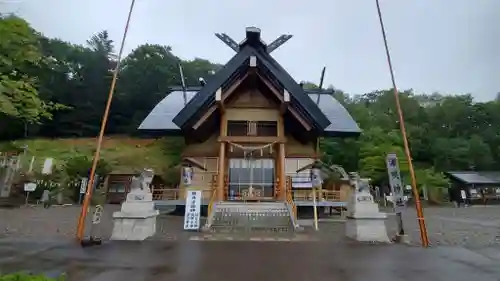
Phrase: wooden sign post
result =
(396, 185)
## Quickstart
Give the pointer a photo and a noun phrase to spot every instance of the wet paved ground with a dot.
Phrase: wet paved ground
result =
(466, 245)
(221, 261)
(474, 227)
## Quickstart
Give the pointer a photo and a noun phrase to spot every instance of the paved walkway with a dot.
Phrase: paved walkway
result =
(476, 227)
(466, 246)
(221, 261)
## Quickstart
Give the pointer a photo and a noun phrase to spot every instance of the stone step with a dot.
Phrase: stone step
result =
(290, 237)
(251, 217)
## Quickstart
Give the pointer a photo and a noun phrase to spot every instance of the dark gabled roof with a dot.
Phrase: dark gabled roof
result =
(265, 63)
(293, 88)
(473, 177)
(159, 120)
(207, 92)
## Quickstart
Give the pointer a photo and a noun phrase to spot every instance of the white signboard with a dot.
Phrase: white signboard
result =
(47, 166)
(395, 181)
(83, 185)
(192, 214)
(29, 187)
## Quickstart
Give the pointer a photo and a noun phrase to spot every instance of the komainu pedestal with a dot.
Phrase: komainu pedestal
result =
(137, 218)
(365, 222)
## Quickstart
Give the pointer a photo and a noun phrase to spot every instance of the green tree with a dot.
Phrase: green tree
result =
(39, 74)
(19, 54)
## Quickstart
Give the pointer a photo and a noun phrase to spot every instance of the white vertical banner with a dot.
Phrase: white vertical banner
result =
(192, 213)
(31, 164)
(395, 181)
(83, 185)
(47, 166)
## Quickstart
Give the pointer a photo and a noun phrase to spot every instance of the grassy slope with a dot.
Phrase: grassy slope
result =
(124, 153)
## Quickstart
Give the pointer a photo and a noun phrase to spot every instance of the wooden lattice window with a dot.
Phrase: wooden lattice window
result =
(252, 128)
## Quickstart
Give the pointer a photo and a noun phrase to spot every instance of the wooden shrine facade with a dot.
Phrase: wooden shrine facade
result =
(247, 124)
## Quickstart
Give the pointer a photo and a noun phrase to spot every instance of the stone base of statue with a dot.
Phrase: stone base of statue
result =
(365, 222)
(401, 239)
(136, 220)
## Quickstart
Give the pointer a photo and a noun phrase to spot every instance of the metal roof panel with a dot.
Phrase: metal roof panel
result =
(472, 177)
(160, 118)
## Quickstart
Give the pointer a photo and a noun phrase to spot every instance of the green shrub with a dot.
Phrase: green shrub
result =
(79, 166)
(171, 176)
(98, 198)
(11, 147)
(29, 277)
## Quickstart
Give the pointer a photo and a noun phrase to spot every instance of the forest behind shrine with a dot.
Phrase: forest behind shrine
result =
(53, 89)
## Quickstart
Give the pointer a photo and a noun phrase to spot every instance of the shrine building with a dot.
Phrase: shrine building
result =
(250, 129)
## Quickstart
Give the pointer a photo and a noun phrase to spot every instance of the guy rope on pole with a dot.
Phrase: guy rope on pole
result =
(81, 221)
(418, 206)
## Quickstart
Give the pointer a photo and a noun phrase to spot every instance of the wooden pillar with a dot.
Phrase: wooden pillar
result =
(220, 174)
(318, 157)
(281, 160)
(281, 172)
(276, 171)
(222, 160)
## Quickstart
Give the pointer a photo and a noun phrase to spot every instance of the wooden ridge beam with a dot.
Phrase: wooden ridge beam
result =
(247, 139)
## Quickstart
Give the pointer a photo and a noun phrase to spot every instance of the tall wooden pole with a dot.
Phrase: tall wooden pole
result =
(88, 196)
(420, 213)
(222, 160)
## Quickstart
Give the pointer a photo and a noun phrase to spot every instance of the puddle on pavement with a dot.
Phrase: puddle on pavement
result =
(160, 270)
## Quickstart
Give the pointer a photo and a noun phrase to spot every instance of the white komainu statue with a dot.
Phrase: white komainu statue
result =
(358, 184)
(142, 182)
(137, 218)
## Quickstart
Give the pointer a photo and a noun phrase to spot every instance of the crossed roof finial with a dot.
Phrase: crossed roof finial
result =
(253, 36)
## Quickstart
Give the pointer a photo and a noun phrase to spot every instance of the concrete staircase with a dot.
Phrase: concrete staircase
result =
(251, 217)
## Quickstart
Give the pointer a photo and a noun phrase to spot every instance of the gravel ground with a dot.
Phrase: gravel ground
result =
(474, 227)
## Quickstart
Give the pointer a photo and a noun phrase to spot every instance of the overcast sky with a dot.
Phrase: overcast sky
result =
(448, 46)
